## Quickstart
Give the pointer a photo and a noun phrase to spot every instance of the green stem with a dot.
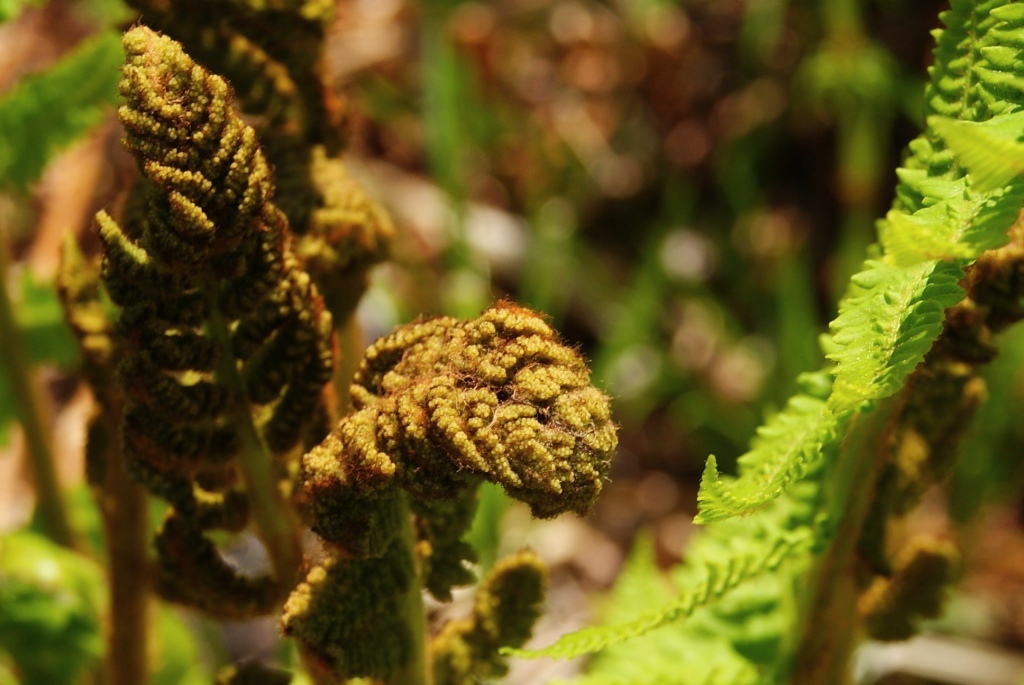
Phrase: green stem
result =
(274, 518)
(415, 671)
(28, 408)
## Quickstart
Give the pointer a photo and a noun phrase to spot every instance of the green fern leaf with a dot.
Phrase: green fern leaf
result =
(964, 84)
(894, 310)
(47, 111)
(941, 221)
(885, 332)
(960, 221)
(716, 579)
(667, 655)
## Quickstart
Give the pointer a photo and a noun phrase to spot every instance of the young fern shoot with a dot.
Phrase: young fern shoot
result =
(440, 406)
(224, 346)
(226, 341)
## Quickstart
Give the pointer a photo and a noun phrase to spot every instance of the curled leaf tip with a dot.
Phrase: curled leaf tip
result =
(441, 401)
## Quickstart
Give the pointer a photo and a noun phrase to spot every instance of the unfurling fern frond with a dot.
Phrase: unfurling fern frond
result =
(441, 405)
(507, 604)
(272, 54)
(441, 402)
(220, 327)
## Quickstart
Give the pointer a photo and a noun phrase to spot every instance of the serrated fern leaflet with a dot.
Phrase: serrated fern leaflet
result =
(718, 579)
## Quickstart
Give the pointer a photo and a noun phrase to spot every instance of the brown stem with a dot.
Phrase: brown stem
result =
(350, 342)
(830, 622)
(125, 523)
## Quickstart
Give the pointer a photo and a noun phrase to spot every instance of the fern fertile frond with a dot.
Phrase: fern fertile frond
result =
(206, 224)
(507, 605)
(269, 51)
(272, 53)
(443, 403)
(226, 343)
(440, 528)
(348, 613)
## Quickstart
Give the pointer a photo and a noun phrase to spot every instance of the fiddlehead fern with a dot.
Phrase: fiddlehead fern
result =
(271, 52)
(440, 402)
(506, 607)
(440, 406)
(226, 342)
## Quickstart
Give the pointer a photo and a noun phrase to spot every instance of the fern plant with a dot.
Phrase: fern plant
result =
(210, 327)
(213, 369)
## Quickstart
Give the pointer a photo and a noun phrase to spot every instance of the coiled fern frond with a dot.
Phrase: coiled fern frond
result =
(505, 608)
(441, 404)
(221, 329)
(272, 54)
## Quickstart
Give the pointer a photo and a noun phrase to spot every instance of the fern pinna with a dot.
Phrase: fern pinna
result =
(840, 459)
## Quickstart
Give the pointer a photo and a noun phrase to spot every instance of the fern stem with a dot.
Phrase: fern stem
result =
(829, 624)
(125, 523)
(350, 341)
(28, 408)
(274, 518)
(415, 671)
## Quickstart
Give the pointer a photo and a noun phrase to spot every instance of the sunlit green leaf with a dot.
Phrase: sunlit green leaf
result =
(46, 111)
